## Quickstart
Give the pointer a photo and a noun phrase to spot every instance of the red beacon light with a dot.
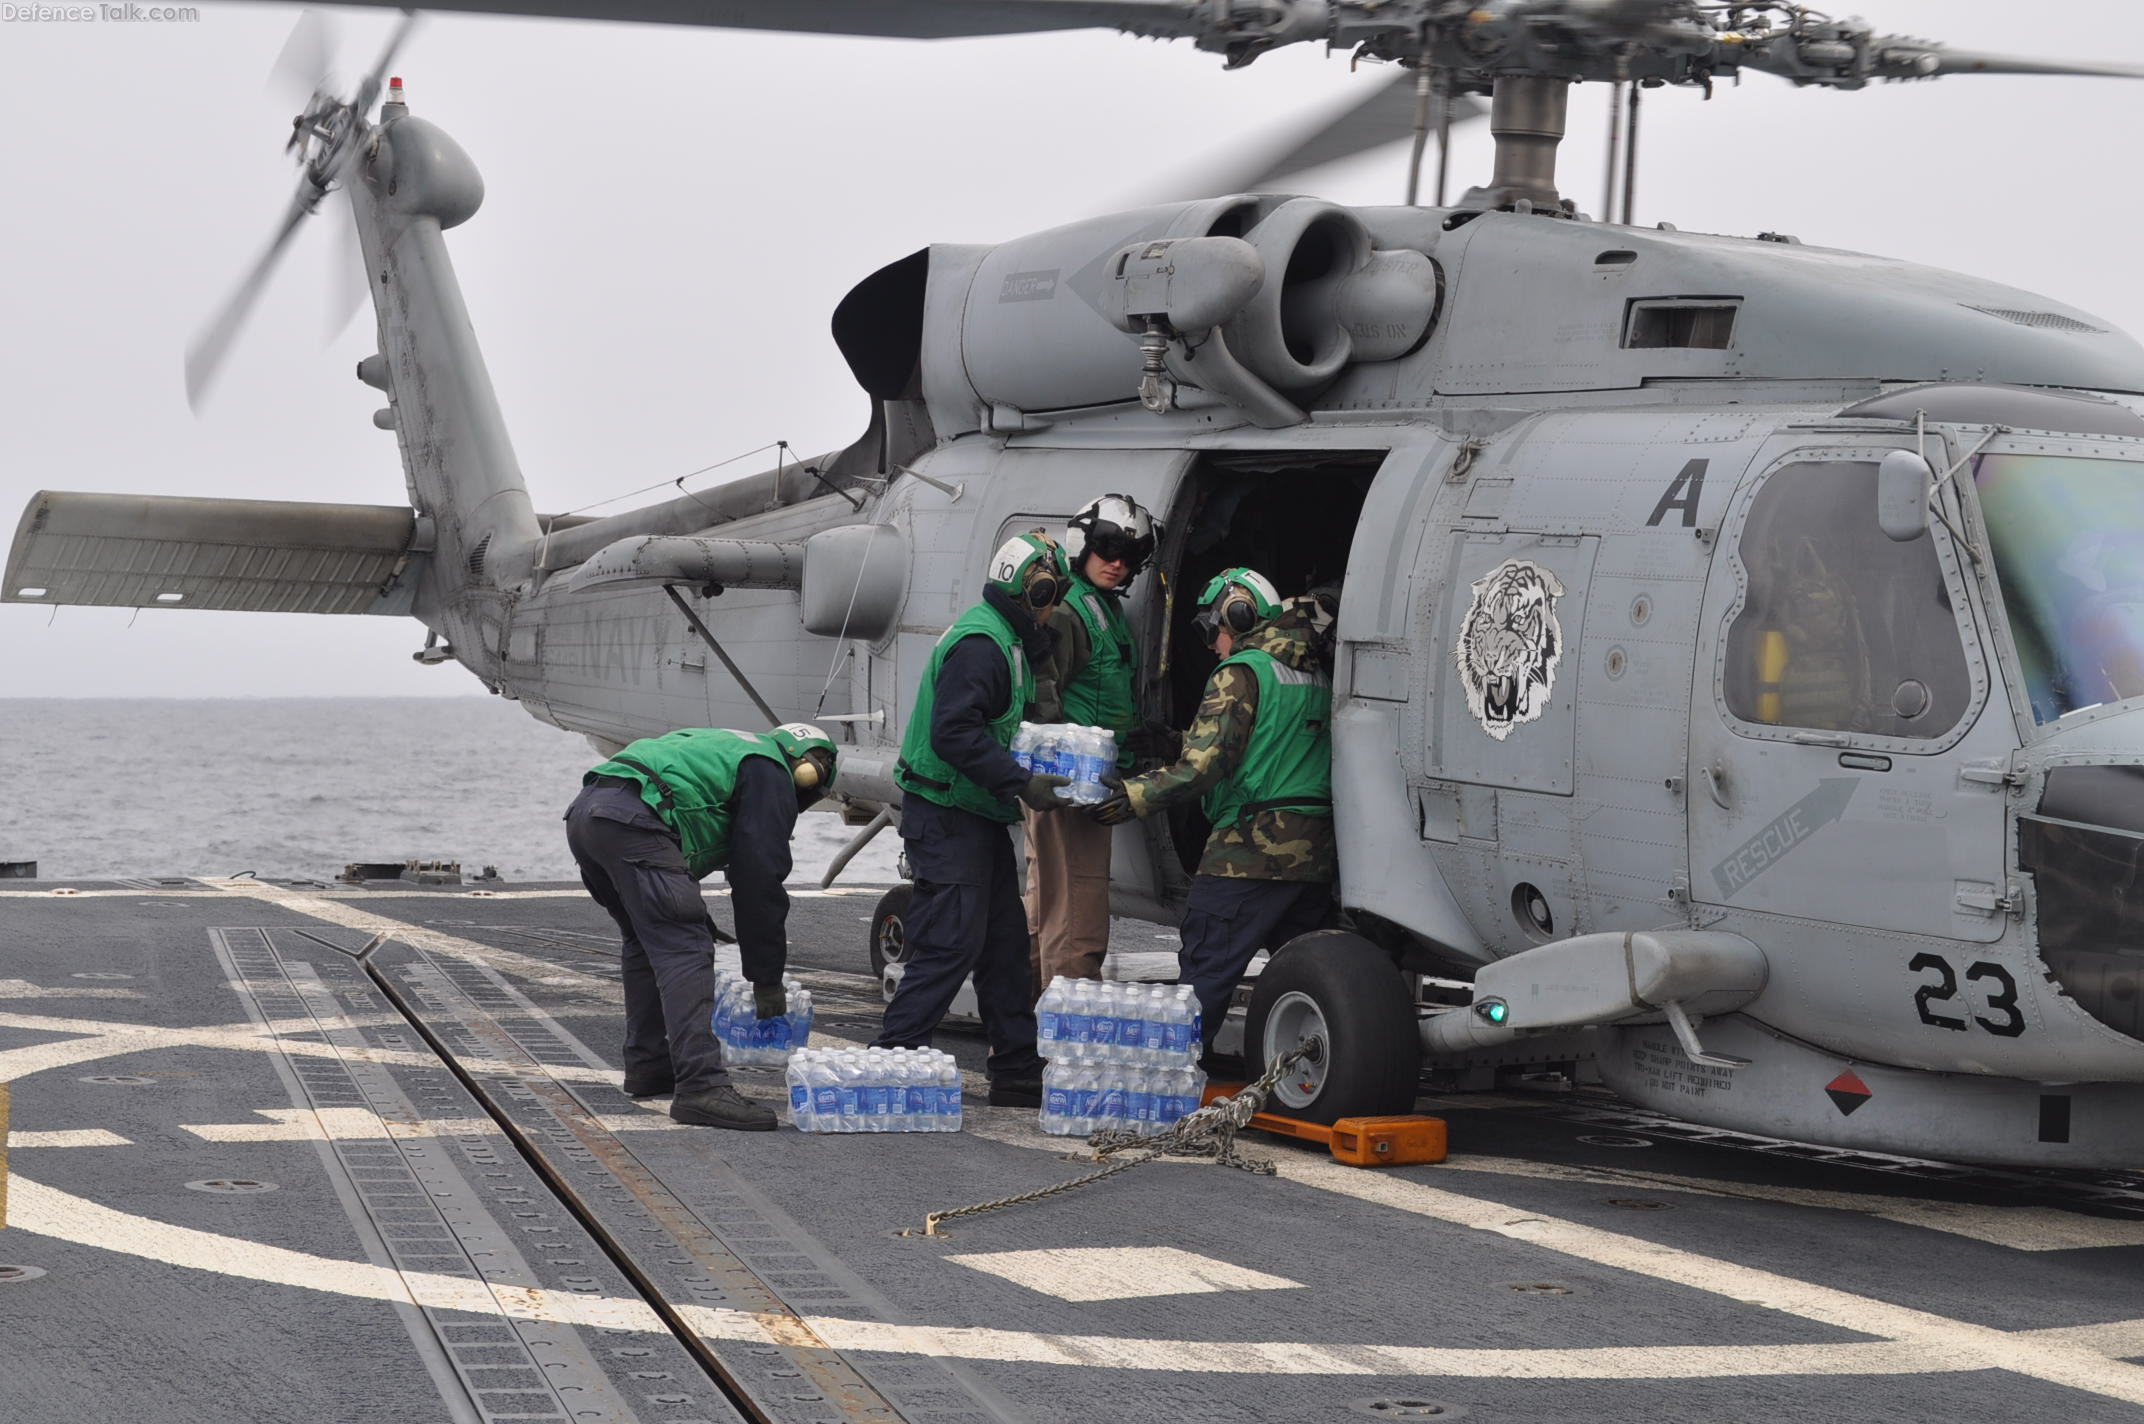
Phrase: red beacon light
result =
(394, 90)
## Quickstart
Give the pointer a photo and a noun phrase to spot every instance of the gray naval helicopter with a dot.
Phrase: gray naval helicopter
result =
(1736, 678)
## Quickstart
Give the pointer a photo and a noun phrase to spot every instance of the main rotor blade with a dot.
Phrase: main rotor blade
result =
(891, 19)
(1383, 115)
(204, 357)
(1965, 61)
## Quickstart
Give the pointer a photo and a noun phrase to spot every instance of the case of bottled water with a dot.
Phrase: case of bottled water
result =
(1082, 755)
(874, 1090)
(749, 1040)
(1122, 1056)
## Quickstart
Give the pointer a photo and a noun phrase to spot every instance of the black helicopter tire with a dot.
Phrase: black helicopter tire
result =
(889, 939)
(1339, 987)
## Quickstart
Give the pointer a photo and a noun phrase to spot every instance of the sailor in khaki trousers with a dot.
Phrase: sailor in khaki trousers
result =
(1088, 681)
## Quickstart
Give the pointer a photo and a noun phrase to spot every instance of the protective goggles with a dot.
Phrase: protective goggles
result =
(1116, 547)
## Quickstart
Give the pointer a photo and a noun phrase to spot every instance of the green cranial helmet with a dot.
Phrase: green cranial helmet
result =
(1235, 601)
(810, 753)
(1030, 568)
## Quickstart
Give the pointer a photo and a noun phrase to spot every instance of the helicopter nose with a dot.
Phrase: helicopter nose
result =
(2084, 848)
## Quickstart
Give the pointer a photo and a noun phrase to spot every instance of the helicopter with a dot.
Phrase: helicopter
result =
(1736, 644)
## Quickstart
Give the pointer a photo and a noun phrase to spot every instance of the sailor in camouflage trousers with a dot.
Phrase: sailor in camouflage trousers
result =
(1259, 756)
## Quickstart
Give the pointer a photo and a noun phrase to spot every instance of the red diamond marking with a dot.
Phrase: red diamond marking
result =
(1847, 1092)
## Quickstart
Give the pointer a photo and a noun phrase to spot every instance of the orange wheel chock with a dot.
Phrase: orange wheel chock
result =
(1355, 1141)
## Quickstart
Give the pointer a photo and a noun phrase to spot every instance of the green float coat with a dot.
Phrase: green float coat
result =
(699, 765)
(1101, 696)
(1289, 762)
(921, 769)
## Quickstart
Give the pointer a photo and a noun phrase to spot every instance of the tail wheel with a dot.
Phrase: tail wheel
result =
(1346, 999)
(889, 939)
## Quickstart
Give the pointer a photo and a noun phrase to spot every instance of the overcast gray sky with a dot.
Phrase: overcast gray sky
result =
(673, 213)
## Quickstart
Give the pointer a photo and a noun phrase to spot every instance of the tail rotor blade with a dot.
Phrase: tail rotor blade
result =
(369, 90)
(302, 68)
(205, 355)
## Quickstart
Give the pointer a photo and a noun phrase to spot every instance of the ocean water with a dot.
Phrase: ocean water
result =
(299, 787)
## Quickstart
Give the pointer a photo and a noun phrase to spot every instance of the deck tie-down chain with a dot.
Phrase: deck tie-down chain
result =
(1209, 1132)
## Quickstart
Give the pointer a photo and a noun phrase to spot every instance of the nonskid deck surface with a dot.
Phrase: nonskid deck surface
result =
(326, 1155)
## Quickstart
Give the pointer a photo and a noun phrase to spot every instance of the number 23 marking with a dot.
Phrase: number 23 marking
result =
(2003, 1001)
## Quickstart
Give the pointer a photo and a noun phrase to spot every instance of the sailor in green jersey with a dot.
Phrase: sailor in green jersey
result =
(1259, 757)
(1088, 681)
(963, 793)
(648, 824)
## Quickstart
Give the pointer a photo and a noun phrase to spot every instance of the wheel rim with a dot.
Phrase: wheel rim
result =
(1295, 1017)
(892, 954)
(892, 940)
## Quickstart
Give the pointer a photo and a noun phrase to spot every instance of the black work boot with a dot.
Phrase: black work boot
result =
(649, 1085)
(721, 1106)
(1016, 1092)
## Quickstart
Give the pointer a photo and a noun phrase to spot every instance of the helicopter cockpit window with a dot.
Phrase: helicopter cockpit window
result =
(2067, 534)
(1841, 629)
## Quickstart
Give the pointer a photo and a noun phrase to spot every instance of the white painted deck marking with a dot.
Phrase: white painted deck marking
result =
(2021, 1228)
(1120, 1272)
(68, 1137)
(364, 1125)
(24, 989)
(1910, 1341)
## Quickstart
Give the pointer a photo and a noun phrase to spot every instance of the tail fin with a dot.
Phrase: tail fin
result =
(411, 184)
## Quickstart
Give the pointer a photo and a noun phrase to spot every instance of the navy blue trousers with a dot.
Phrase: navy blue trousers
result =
(633, 866)
(965, 917)
(1228, 920)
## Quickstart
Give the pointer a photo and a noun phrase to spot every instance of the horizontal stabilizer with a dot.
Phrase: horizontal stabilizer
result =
(176, 551)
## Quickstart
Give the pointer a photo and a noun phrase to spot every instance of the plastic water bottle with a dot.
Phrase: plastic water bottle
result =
(1045, 750)
(1057, 1098)
(947, 1076)
(799, 1095)
(1104, 1024)
(1139, 1099)
(1089, 765)
(1049, 1015)
(877, 1091)
(1153, 1011)
(1077, 1016)
(825, 1084)
(1131, 1023)
(1023, 746)
(1183, 1035)
(1086, 1096)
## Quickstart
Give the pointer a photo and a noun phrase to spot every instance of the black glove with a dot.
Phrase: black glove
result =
(771, 1000)
(1154, 742)
(1116, 808)
(1041, 791)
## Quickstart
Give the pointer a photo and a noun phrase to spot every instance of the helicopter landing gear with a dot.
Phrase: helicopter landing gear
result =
(889, 941)
(1346, 998)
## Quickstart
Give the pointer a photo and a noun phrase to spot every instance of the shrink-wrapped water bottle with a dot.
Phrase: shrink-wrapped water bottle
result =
(1077, 1016)
(1049, 750)
(1104, 1024)
(948, 1079)
(1023, 746)
(1094, 756)
(1049, 1015)
(1057, 1098)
